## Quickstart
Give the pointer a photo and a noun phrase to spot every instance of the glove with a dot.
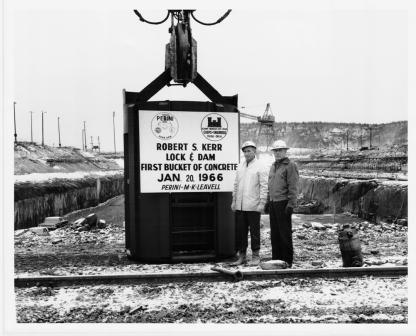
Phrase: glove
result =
(267, 208)
(289, 210)
(233, 206)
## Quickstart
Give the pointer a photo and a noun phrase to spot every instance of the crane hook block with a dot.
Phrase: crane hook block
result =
(181, 54)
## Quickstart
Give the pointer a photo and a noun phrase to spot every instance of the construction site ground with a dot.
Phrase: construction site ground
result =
(102, 251)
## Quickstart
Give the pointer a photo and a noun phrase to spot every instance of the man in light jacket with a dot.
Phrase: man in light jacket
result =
(249, 199)
(283, 192)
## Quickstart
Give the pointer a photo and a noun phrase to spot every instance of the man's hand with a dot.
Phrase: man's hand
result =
(260, 208)
(233, 206)
(288, 210)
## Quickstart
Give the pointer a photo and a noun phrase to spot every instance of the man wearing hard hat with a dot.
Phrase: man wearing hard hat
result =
(282, 195)
(249, 199)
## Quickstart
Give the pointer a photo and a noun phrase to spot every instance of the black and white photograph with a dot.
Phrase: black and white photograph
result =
(229, 168)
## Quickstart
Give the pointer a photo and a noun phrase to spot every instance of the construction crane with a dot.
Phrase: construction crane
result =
(265, 123)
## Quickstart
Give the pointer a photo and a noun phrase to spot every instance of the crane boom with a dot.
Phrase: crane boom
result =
(248, 116)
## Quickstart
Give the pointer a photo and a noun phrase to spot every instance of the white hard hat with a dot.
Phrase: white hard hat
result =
(248, 144)
(279, 144)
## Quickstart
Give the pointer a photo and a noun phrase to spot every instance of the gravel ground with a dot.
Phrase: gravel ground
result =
(271, 301)
(101, 251)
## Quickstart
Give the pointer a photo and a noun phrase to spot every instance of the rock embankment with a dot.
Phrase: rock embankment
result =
(369, 199)
(53, 181)
(35, 201)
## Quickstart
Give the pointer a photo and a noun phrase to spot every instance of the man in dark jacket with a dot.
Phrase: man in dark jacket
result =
(282, 195)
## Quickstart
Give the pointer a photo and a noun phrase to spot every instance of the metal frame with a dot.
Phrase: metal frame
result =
(133, 103)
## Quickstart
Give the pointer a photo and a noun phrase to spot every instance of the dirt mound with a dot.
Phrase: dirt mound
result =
(33, 158)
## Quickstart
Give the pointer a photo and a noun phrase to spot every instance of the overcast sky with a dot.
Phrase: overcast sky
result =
(321, 63)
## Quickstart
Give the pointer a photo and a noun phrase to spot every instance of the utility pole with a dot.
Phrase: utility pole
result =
(114, 133)
(59, 133)
(14, 113)
(82, 137)
(99, 146)
(31, 127)
(92, 145)
(43, 139)
(85, 138)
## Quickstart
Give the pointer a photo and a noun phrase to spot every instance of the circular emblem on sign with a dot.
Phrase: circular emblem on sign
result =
(164, 125)
(214, 127)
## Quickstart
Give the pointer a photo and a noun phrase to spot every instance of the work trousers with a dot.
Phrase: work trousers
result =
(281, 232)
(246, 220)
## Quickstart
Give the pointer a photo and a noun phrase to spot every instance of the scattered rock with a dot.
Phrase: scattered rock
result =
(273, 264)
(18, 233)
(56, 241)
(318, 226)
(307, 225)
(364, 225)
(375, 252)
(88, 223)
(389, 264)
(53, 223)
(79, 222)
(101, 224)
(301, 236)
(317, 263)
(91, 220)
(328, 318)
(375, 262)
(40, 231)
(402, 222)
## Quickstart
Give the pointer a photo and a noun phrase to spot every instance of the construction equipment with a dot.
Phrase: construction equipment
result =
(265, 124)
(183, 225)
(181, 51)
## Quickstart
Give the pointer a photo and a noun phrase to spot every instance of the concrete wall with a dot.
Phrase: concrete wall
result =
(34, 202)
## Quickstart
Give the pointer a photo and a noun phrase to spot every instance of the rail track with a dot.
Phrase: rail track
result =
(219, 275)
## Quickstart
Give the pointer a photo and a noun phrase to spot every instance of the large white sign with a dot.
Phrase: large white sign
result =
(188, 151)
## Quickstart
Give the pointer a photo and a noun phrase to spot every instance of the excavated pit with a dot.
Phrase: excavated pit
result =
(36, 201)
(373, 200)
(371, 184)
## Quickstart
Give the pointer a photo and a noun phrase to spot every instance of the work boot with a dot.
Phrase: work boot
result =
(241, 259)
(255, 258)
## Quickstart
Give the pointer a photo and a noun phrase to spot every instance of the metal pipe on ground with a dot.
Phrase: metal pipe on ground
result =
(236, 275)
(29, 281)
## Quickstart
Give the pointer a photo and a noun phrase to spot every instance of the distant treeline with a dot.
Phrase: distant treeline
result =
(317, 134)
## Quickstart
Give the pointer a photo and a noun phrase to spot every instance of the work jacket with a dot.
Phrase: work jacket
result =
(283, 182)
(250, 186)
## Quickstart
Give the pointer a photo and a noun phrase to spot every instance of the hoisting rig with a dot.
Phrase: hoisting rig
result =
(265, 123)
(181, 59)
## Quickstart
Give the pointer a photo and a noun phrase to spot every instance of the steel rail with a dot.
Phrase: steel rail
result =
(132, 278)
